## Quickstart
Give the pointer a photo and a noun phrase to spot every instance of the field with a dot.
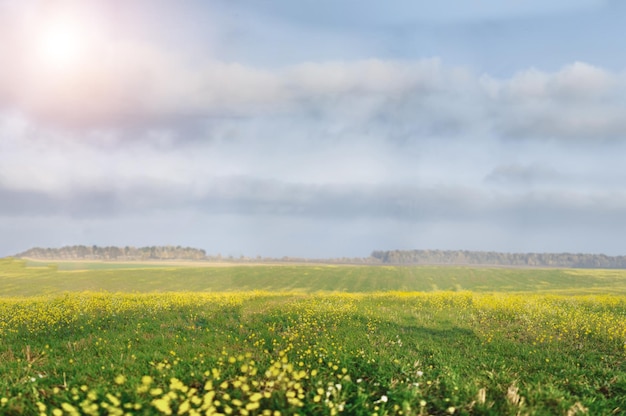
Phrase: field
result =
(95, 338)
(44, 278)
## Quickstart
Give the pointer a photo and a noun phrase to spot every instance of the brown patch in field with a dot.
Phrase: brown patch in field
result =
(577, 409)
(7, 356)
(80, 345)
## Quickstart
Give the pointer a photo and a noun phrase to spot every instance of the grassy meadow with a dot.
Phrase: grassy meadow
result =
(54, 278)
(115, 339)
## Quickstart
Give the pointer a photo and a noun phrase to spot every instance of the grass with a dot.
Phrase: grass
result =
(362, 349)
(54, 278)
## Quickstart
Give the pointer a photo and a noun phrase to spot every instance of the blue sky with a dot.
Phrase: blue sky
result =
(313, 128)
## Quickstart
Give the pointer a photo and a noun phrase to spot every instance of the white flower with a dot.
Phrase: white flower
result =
(383, 399)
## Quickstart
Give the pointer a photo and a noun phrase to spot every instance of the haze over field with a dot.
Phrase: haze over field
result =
(314, 129)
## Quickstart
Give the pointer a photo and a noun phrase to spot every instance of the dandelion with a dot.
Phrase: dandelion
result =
(156, 392)
(163, 406)
(184, 407)
(252, 406)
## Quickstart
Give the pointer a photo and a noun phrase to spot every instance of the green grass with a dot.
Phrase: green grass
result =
(436, 353)
(120, 277)
(316, 340)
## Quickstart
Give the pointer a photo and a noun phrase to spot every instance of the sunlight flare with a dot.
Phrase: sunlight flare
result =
(62, 44)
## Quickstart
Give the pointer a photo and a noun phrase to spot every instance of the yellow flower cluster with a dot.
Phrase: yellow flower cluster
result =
(250, 391)
(551, 318)
(297, 360)
(53, 313)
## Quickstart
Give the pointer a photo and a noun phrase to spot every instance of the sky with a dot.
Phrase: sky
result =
(314, 128)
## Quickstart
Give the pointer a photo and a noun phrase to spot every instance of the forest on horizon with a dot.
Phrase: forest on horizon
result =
(395, 257)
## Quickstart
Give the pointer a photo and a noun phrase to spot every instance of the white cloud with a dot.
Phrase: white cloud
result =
(578, 82)
(134, 81)
(139, 85)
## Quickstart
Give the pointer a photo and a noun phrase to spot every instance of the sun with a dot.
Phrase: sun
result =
(61, 44)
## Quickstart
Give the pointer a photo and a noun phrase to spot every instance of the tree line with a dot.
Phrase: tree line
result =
(82, 252)
(399, 257)
(113, 253)
(464, 257)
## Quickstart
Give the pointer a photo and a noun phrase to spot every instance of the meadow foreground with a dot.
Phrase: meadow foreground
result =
(308, 350)
(262, 353)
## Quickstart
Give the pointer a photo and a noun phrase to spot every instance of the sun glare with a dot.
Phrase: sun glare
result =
(61, 44)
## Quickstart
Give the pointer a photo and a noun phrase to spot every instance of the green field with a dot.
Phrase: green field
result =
(143, 339)
(51, 278)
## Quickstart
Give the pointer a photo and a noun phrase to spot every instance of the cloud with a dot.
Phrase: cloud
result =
(139, 86)
(579, 102)
(255, 198)
(516, 174)
(128, 82)
(577, 81)
(319, 138)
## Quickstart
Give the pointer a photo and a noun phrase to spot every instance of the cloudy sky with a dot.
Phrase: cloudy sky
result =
(315, 128)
